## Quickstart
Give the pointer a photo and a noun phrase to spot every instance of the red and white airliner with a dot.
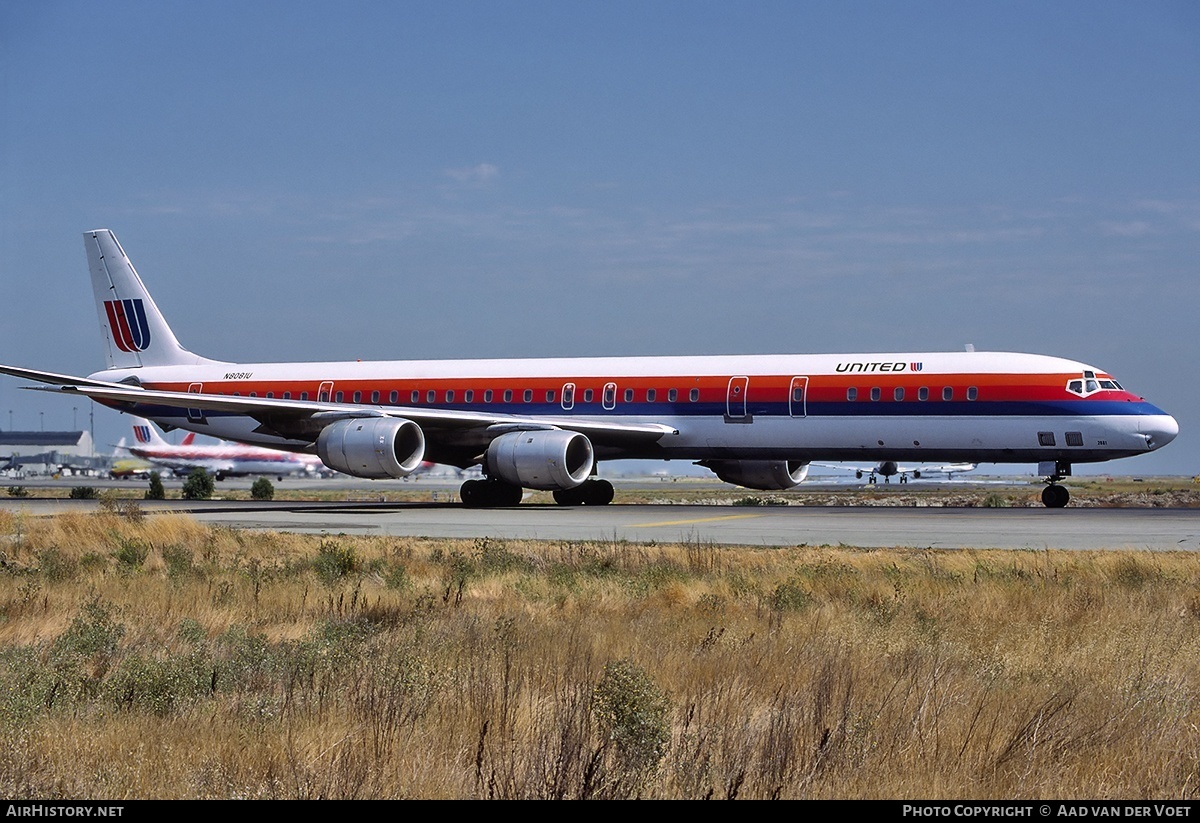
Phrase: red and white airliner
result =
(754, 420)
(220, 460)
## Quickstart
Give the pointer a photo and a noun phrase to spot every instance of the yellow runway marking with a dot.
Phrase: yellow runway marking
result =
(694, 520)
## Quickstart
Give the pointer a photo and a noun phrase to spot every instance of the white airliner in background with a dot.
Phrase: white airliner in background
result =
(754, 420)
(887, 469)
(221, 460)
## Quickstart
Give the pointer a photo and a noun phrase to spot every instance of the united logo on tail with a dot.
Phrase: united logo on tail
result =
(127, 319)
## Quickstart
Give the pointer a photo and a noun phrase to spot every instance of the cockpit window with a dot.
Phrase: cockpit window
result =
(1088, 383)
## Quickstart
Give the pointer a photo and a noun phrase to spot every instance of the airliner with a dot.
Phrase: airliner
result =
(222, 460)
(756, 421)
(887, 469)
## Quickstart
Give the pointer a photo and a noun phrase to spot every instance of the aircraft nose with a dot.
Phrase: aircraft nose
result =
(1159, 430)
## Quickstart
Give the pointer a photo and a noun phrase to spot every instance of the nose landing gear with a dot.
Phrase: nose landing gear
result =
(1055, 496)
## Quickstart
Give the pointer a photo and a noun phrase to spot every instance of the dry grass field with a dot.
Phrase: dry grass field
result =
(147, 657)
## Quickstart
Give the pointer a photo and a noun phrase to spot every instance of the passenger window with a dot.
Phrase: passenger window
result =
(972, 393)
(798, 393)
(947, 393)
(487, 395)
(923, 393)
(270, 394)
(508, 395)
(394, 397)
(650, 395)
(358, 397)
(629, 395)
(672, 394)
(469, 396)
(338, 397)
(587, 395)
(694, 395)
(416, 396)
(549, 395)
(254, 394)
(287, 395)
(875, 393)
(304, 395)
(431, 396)
(528, 395)
(450, 396)
(851, 394)
(898, 393)
(568, 400)
(610, 396)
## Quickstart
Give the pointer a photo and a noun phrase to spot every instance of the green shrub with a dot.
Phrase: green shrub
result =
(262, 490)
(634, 717)
(83, 493)
(334, 562)
(18, 491)
(156, 490)
(198, 486)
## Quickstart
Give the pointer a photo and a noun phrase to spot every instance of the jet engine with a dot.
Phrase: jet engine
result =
(545, 460)
(373, 447)
(766, 475)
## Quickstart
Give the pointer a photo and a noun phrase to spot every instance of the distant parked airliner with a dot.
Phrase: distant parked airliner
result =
(221, 460)
(754, 420)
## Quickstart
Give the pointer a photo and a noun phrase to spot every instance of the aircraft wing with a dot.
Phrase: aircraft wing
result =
(952, 468)
(303, 420)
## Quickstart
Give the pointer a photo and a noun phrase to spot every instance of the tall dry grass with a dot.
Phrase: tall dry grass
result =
(153, 657)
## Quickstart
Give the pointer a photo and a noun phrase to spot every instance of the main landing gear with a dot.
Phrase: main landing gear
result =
(1055, 496)
(492, 493)
(488, 494)
(588, 493)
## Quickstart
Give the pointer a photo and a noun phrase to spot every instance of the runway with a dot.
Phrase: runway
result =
(936, 528)
(931, 527)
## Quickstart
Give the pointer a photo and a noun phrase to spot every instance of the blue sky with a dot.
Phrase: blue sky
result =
(462, 179)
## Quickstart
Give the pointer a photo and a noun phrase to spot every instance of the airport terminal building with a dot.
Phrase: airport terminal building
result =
(25, 454)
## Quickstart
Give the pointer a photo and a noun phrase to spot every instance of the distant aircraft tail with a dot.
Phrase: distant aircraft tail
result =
(135, 332)
(145, 433)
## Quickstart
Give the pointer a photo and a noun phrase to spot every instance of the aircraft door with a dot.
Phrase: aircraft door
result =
(568, 396)
(196, 415)
(735, 400)
(324, 391)
(798, 397)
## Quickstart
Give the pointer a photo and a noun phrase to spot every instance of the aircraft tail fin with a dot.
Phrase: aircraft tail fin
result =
(135, 332)
(145, 433)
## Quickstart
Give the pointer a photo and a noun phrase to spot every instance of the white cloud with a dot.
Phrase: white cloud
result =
(475, 175)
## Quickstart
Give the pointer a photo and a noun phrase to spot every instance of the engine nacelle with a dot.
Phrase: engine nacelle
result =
(545, 460)
(765, 475)
(373, 447)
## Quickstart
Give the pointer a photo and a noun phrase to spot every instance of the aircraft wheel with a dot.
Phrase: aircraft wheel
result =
(1055, 496)
(504, 494)
(569, 497)
(470, 494)
(599, 493)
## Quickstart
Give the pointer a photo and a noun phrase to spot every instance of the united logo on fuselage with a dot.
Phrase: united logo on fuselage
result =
(127, 319)
(855, 366)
